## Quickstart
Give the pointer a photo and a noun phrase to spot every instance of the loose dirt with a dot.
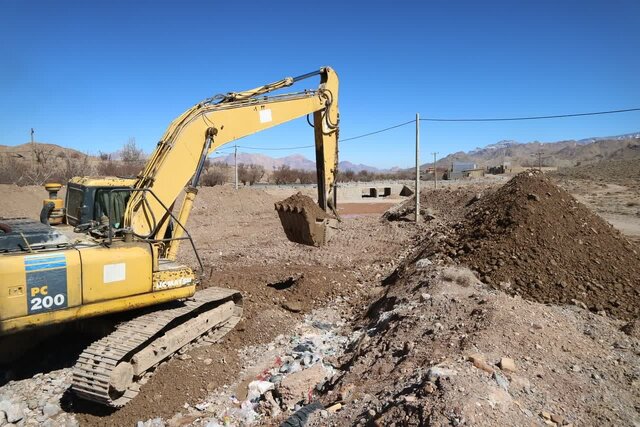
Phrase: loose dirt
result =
(441, 348)
(534, 238)
(437, 344)
(242, 245)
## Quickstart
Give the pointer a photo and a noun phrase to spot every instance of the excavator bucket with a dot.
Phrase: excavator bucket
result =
(304, 222)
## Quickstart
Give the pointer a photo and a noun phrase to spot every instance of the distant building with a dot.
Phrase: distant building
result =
(457, 167)
(460, 170)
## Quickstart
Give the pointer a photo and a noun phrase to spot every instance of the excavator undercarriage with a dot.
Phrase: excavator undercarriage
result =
(111, 370)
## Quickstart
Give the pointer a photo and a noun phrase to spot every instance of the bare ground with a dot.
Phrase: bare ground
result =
(572, 365)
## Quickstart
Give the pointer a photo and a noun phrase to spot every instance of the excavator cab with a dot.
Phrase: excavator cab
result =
(89, 200)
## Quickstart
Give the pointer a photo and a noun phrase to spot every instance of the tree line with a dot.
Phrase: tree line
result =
(43, 165)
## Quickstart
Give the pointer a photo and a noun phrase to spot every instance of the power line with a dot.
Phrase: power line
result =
(378, 131)
(341, 139)
(473, 119)
(276, 148)
(505, 119)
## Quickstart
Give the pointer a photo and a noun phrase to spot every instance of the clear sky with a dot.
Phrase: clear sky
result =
(91, 74)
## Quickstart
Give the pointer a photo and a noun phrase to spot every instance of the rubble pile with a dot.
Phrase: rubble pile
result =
(37, 402)
(280, 379)
(532, 238)
(442, 348)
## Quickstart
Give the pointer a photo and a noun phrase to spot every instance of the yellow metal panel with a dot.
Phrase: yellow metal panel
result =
(39, 282)
(120, 270)
(104, 181)
(173, 278)
(95, 309)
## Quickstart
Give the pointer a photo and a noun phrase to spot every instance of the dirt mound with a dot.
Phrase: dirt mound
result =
(439, 348)
(532, 238)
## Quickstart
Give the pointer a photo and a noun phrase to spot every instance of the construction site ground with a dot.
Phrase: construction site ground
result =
(388, 325)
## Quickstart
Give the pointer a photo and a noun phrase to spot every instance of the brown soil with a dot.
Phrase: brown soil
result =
(570, 362)
(623, 172)
(431, 349)
(349, 209)
(301, 202)
(538, 241)
(241, 242)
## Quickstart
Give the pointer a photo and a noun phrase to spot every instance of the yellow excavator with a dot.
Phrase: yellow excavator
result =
(111, 246)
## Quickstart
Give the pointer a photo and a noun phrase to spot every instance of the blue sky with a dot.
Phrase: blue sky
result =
(90, 75)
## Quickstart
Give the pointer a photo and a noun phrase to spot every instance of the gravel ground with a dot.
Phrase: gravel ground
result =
(385, 328)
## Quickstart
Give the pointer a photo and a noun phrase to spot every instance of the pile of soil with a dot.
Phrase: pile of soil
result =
(447, 204)
(439, 348)
(532, 238)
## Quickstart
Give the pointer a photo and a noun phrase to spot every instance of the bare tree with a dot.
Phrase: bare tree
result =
(250, 173)
(130, 152)
(217, 174)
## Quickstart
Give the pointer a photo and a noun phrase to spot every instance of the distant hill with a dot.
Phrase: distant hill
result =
(561, 153)
(26, 150)
(295, 161)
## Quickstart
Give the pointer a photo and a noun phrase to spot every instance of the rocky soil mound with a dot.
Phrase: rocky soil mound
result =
(440, 348)
(532, 238)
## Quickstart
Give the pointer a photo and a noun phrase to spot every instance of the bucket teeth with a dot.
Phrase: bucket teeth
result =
(302, 226)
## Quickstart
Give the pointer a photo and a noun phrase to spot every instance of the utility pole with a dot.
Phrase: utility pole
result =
(435, 171)
(417, 167)
(33, 147)
(540, 161)
(539, 154)
(235, 158)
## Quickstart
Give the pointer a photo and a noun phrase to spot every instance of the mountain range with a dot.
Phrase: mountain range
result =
(561, 153)
(294, 161)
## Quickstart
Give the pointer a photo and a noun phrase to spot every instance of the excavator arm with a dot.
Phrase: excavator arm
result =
(179, 158)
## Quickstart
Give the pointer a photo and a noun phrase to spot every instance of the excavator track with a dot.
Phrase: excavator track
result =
(111, 370)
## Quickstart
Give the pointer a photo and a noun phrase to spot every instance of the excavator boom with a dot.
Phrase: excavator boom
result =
(180, 154)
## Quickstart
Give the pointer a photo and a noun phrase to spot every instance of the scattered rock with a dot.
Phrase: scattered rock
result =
(292, 306)
(429, 388)
(334, 408)
(558, 419)
(51, 409)
(507, 364)
(423, 263)
(296, 386)
(12, 411)
(632, 328)
(436, 372)
(479, 362)
(501, 380)
(207, 361)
